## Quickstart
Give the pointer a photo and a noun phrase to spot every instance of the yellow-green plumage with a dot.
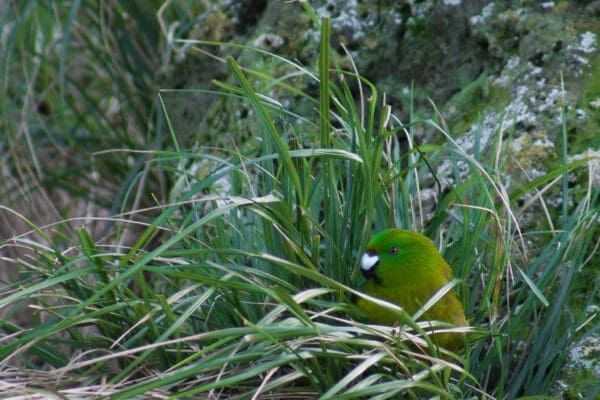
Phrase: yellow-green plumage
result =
(405, 268)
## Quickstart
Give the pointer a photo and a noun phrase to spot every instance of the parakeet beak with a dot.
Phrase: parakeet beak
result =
(368, 263)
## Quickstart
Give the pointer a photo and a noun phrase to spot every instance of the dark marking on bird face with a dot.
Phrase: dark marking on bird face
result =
(368, 265)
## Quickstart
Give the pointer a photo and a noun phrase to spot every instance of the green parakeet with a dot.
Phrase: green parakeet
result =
(405, 268)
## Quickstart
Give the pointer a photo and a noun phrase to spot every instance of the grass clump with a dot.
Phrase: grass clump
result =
(243, 285)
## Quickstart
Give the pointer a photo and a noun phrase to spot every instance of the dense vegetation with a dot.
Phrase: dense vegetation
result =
(148, 266)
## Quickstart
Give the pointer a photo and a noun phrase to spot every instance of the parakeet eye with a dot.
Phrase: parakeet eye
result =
(394, 251)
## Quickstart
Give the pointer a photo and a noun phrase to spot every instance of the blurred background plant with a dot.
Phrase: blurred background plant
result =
(204, 242)
(78, 105)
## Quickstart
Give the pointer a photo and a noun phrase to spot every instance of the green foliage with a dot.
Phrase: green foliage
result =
(244, 283)
(80, 76)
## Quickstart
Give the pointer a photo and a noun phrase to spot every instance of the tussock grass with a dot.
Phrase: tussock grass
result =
(243, 284)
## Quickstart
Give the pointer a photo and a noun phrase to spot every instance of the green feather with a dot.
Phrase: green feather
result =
(409, 272)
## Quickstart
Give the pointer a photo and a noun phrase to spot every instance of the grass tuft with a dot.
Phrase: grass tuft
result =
(242, 284)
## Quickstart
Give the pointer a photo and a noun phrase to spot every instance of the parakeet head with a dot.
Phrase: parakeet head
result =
(405, 268)
(397, 254)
